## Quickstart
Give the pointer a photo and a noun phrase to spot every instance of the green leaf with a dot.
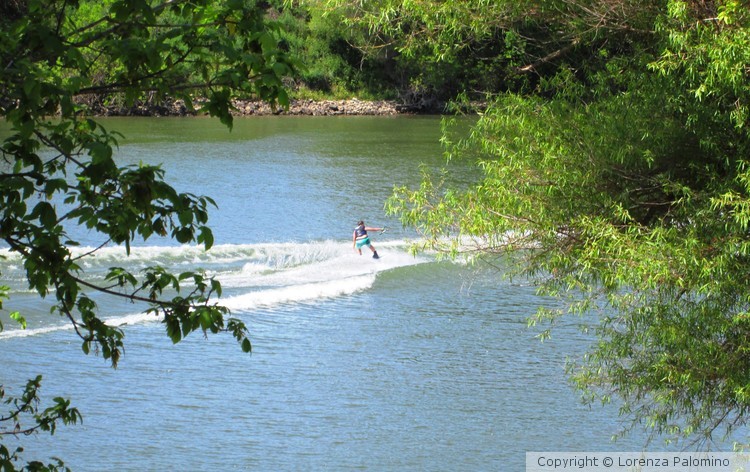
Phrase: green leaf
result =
(185, 217)
(55, 185)
(16, 316)
(206, 237)
(46, 214)
(183, 235)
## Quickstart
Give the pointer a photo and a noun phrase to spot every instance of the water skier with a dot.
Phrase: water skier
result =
(360, 238)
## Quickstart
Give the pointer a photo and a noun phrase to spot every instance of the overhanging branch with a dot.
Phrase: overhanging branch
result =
(548, 58)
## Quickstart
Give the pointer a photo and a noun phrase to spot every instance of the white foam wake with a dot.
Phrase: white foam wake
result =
(253, 275)
(297, 293)
(133, 318)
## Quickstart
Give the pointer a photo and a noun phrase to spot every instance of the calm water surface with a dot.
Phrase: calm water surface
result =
(404, 363)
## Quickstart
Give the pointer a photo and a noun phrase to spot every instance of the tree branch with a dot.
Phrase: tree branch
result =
(548, 58)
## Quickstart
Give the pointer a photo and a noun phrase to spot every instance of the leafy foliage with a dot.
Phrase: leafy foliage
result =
(431, 49)
(443, 49)
(24, 410)
(60, 169)
(624, 188)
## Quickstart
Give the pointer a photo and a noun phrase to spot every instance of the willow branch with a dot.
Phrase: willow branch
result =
(548, 58)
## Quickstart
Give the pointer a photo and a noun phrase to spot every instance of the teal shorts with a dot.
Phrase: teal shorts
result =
(363, 242)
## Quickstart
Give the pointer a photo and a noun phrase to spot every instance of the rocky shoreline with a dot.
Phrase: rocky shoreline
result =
(325, 108)
(307, 107)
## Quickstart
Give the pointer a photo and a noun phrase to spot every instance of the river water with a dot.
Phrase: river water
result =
(402, 363)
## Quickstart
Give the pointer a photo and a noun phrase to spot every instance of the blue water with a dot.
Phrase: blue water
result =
(404, 363)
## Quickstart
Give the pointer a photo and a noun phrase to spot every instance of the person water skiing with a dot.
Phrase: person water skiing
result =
(360, 238)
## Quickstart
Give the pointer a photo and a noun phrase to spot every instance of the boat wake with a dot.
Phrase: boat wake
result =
(253, 276)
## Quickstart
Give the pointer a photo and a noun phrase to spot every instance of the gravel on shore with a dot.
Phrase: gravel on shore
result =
(307, 107)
